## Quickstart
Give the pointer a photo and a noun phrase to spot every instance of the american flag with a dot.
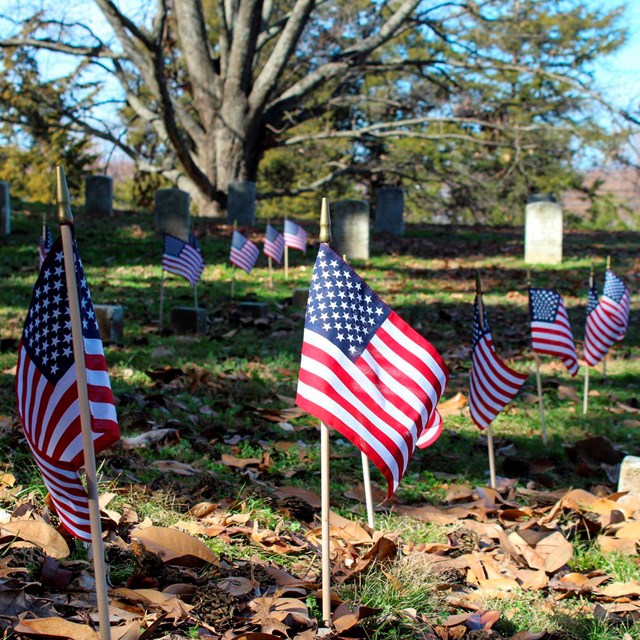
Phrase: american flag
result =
(616, 301)
(243, 252)
(273, 244)
(493, 383)
(182, 259)
(294, 236)
(364, 371)
(607, 318)
(44, 243)
(47, 392)
(550, 327)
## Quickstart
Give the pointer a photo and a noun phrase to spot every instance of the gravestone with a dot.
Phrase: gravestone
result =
(98, 196)
(350, 229)
(252, 309)
(110, 319)
(5, 209)
(189, 319)
(543, 231)
(630, 475)
(241, 203)
(390, 211)
(172, 213)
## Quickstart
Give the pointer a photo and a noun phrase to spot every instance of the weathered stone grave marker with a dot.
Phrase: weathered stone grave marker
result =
(241, 204)
(543, 231)
(350, 229)
(172, 213)
(110, 319)
(98, 196)
(389, 211)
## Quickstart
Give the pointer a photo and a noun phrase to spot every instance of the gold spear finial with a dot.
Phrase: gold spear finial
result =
(325, 222)
(62, 198)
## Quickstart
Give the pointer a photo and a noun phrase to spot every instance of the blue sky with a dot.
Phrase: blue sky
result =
(619, 74)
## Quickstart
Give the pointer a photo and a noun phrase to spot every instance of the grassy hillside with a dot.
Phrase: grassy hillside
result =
(234, 440)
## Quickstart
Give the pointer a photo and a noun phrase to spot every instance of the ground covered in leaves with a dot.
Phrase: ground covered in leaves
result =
(210, 501)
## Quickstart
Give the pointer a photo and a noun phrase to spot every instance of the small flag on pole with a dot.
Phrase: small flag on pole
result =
(243, 252)
(47, 390)
(607, 318)
(182, 259)
(493, 384)
(273, 244)
(295, 236)
(44, 243)
(550, 327)
(364, 371)
(616, 301)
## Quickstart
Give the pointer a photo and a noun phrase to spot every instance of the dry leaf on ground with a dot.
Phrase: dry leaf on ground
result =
(175, 547)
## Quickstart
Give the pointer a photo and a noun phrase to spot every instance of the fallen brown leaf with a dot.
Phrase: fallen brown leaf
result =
(566, 392)
(621, 589)
(348, 615)
(175, 547)
(39, 533)
(56, 628)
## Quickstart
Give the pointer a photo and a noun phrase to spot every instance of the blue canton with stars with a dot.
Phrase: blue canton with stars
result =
(592, 299)
(544, 305)
(342, 307)
(479, 330)
(614, 287)
(173, 246)
(47, 328)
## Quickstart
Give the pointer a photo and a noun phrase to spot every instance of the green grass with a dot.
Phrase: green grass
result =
(428, 277)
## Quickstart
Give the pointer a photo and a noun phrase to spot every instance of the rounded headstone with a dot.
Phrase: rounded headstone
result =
(110, 319)
(5, 209)
(350, 229)
(390, 211)
(541, 197)
(241, 203)
(629, 479)
(98, 196)
(543, 232)
(189, 319)
(172, 213)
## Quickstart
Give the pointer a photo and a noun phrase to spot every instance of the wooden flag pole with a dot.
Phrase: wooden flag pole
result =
(492, 460)
(325, 236)
(368, 494)
(540, 398)
(286, 262)
(161, 319)
(606, 355)
(269, 260)
(543, 425)
(66, 222)
(195, 296)
(326, 532)
(585, 397)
